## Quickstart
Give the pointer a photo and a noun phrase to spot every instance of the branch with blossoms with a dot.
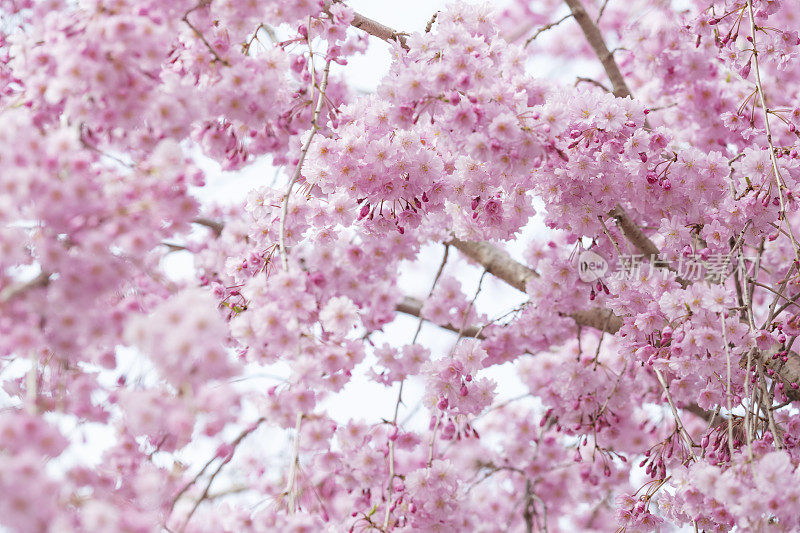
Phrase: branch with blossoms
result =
(682, 361)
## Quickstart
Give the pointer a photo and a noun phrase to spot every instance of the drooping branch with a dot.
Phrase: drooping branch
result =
(303, 153)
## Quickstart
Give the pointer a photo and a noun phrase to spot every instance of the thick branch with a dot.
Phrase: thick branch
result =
(412, 306)
(501, 265)
(16, 289)
(788, 373)
(497, 262)
(598, 318)
(642, 242)
(595, 39)
(633, 233)
(213, 225)
(377, 29)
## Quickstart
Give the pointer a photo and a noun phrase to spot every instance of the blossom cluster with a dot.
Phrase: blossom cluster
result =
(645, 401)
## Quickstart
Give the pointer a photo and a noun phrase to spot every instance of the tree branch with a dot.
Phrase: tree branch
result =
(378, 30)
(595, 39)
(633, 233)
(213, 225)
(42, 280)
(501, 265)
(412, 306)
(373, 27)
(642, 242)
(497, 262)
(786, 372)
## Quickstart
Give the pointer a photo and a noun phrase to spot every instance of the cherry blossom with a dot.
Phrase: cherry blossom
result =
(396, 332)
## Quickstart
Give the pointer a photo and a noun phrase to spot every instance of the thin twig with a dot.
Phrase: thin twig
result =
(200, 35)
(291, 481)
(600, 13)
(432, 447)
(547, 27)
(314, 128)
(678, 424)
(728, 384)
(392, 473)
(765, 110)
(204, 496)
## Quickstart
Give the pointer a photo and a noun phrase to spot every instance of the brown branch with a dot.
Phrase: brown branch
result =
(598, 318)
(642, 242)
(412, 306)
(497, 262)
(501, 265)
(633, 233)
(42, 280)
(373, 27)
(699, 412)
(546, 27)
(595, 39)
(213, 225)
(377, 29)
(788, 372)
